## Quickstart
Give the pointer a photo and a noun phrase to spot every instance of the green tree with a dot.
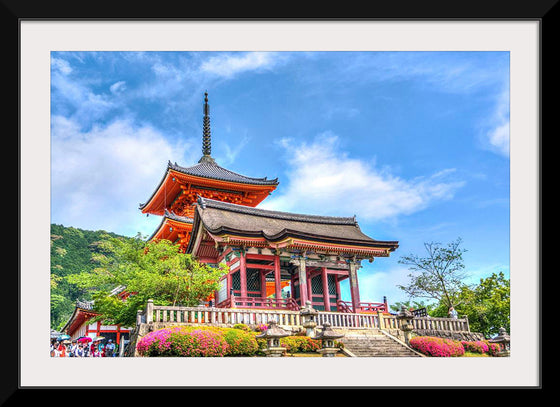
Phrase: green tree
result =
(487, 305)
(437, 276)
(154, 270)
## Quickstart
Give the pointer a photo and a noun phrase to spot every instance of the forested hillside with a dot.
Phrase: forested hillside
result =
(73, 251)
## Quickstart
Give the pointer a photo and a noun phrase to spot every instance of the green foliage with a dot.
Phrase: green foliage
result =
(487, 305)
(72, 252)
(295, 344)
(241, 342)
(154, 270)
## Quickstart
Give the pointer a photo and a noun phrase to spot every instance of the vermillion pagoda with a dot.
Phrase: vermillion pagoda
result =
(181, 186)
(211, 213)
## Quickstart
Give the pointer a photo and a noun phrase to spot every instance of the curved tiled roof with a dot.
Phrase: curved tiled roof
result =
(331, 220)
(209, 169)
(221, 218)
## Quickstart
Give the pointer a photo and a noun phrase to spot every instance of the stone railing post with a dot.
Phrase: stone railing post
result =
(150, 312)
(380, 319)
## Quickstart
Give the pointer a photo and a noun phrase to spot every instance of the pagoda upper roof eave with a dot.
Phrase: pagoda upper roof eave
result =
(174, 172)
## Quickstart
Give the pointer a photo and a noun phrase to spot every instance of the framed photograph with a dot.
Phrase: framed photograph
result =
(423, 130)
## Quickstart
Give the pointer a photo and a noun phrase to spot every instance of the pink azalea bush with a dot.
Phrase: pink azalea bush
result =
(482, 347)
(494, 349)
(437, 347)
(198, 342)
(177, 341)
(475, 346)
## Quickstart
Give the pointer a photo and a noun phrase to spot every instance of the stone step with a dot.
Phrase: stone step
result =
(376, 346)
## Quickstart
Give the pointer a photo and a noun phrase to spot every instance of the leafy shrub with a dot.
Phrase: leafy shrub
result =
(294, 344)
(242, 327)
(437, 347)
(241, 342)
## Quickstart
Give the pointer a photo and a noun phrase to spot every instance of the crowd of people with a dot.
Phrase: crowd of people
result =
(75, 348)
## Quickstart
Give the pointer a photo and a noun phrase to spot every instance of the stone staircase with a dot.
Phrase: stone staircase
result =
(375, 343)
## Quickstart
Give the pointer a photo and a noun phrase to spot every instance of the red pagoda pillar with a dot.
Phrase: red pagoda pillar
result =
(354, 289)
(243, 276)
(277, 286)
(302, 274)
(325, 280)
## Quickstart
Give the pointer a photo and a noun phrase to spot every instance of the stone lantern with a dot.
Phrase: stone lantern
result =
(308, 318)
(405, 316)
(327, 337)
(502, 339)
(272, 335)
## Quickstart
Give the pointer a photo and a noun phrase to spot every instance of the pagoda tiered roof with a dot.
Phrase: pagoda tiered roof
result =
(180, 186)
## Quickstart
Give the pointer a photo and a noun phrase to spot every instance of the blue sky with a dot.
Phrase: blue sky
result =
(415, 144)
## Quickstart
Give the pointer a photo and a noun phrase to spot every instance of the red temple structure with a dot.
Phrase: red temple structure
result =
(80, 325)
(275, 259)
(176, 194)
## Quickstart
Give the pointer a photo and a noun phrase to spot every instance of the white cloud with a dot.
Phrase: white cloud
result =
(61, 65)
(324, 180)
(118, 87)
(493, 129)
(229, 65)
(498, 136)
(98, 178)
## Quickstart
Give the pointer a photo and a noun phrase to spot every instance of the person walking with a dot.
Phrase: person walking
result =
(109, 349)
(61, 350)
(452, 313)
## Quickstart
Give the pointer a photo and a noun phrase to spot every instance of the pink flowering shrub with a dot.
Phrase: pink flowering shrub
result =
(437, 347)
(494, 349)
(483, 347)
(180, 342)
(198, 342)
(475, 346)
(261, 327)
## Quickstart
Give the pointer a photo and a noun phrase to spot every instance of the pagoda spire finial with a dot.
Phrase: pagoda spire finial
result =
(206, 136)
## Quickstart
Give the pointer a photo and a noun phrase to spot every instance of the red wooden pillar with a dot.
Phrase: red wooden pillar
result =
(309, 288)
(337, 279)
(263, 282)
(354, 289)
(277, 286)
(243, 275)
(303, 294)
(325, 280)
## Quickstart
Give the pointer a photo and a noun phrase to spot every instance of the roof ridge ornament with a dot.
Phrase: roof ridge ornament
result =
(206, 135)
